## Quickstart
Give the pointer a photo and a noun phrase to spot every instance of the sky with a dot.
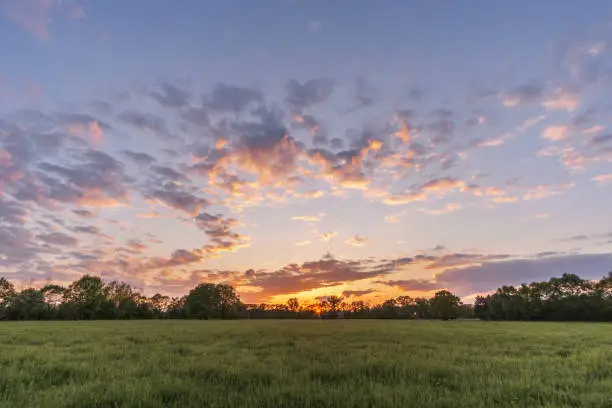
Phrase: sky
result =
(297, 148)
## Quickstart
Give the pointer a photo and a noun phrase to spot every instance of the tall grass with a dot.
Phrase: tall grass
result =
(305, 364)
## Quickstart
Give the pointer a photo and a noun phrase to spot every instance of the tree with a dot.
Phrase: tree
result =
(121, 300)
(444, 305)
(28, 304)
(422, 308)
(87, 296)
(334, 301)
(293, 304)
(53, 294)
(202, 301)
(387, 309)
(228, 302)
(159, 305)
(7, 293)
(407, 307)
(207, 301)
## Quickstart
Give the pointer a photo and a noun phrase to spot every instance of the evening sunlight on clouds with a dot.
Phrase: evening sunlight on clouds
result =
(176, 145)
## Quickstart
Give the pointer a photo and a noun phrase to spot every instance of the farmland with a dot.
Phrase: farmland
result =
(356, 363)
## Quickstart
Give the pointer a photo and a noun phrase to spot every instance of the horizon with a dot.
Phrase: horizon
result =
(303, 156)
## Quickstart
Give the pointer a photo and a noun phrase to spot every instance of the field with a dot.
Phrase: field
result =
(305, 364)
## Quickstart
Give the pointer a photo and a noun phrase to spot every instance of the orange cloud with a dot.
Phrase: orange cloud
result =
(489, 191)
(303, 243)
(403, 133)
(405, 198)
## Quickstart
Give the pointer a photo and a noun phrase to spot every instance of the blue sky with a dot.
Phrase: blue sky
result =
(305, 147)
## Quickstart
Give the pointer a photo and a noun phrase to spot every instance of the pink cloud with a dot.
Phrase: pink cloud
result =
(32, 15)
(556, 132)
(95, 133)
(35, 16)
(603, 179)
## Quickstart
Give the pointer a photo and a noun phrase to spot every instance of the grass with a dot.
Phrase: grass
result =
(305, 364)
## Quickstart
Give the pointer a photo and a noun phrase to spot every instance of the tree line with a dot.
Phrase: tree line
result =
(90, 298)
(566, 298)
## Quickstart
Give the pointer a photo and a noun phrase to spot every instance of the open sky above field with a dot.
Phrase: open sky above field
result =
(306, 147)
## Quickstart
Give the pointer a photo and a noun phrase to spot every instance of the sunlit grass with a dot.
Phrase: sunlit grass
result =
(305, 364)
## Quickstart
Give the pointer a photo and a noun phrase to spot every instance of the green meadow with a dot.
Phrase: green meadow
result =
(343, 363)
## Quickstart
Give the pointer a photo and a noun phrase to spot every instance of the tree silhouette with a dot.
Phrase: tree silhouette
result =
(444, 305)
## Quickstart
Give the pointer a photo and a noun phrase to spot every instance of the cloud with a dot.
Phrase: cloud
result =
(303, 243)
(232, 98)
(11, 212)
(603, 179)
(88, 229)
(496, 141)
(169, 173)
(448, 208)
(562, 100)
(598, 141)
(146, 122)
(327, 272)
(179, 257)
(357, 241)
(392, 218)
(466, 274)
(536, 217)
(308, 218)
(234, 148)
(365, 93)
(557, 132)
(410, 285)
(461, 259)
(491, 275)
(171, 96)
(326, 236)
(17, 245)
(311, 92)
(58, 238)
(357, 293)
(95, 134)
(32, 15)
(219, 230)
(97, 180)
(174, 195)
(529, 123)
(84, 213)
(439, 186)
(521, 95)
(139, 158)
(541, 191)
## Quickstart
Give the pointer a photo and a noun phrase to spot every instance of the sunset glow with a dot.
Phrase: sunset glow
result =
(297, 154)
